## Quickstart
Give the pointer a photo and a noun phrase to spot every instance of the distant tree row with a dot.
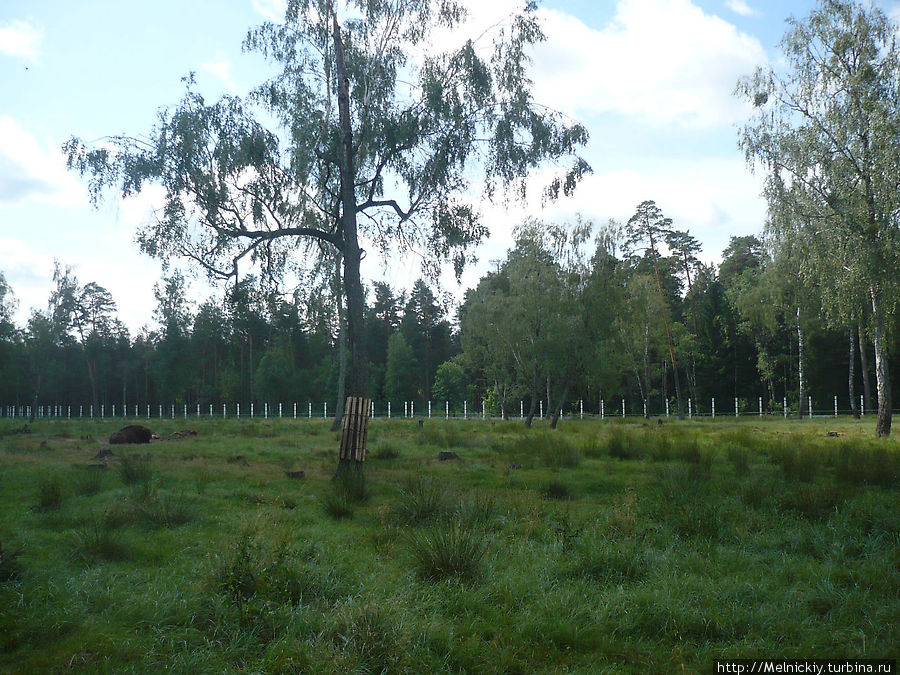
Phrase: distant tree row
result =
(573, 313)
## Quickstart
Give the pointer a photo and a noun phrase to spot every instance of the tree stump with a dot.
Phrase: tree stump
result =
(356, 429)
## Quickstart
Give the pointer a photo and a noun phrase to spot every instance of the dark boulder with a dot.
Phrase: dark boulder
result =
(133, 433)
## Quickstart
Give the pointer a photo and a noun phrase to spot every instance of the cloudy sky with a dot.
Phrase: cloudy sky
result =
(651, 79)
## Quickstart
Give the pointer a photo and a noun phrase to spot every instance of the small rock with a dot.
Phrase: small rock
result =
(445, 455)
(133, 433)
(295, 475)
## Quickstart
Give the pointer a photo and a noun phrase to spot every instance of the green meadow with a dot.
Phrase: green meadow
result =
(601, 547)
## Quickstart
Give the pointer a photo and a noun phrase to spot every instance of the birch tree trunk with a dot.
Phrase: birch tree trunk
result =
(801, 371)
(864, 366)
(882, 367)
(851, 374)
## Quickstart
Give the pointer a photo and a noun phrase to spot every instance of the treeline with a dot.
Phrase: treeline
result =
(572, 314)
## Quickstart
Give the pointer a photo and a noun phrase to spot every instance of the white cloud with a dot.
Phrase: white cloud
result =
(221, 68)
(31, 170)
(271, 10)
(741, 7)
(660, 62)
(19, 38)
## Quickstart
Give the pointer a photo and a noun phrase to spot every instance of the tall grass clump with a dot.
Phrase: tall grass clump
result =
(799, 462)
(135, 469)
(608, 562)
(49, 496)
(860, 465)
(348, 489)
(619, 444)
(474, 510)
(88, 482)
(421, 500)
(447, 551)
(9, 563)
(739, 457)
(96, 540)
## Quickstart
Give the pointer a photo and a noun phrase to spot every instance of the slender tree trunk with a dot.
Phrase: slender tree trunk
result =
(358, 381)
(558, 408)
(342, 357)
(864, 366)
(801, 371)
(851, 373)
(534, 397)
(668, 330)
(882, 367)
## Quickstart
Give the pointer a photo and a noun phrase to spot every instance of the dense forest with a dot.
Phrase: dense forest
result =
(573, 315)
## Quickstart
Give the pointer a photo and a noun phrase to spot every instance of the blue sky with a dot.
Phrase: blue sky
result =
(651, 79)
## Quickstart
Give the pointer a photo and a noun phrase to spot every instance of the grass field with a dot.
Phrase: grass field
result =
(601, 547)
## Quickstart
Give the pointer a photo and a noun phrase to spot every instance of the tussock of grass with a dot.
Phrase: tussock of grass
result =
(9, 562)
(421, 500)
(557, 490)
(135, 469)
(608, 562)
(49, 496)
(96, 541)
(447, 551)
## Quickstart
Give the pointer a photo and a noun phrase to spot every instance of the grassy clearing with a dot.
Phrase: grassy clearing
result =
(603, 547)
